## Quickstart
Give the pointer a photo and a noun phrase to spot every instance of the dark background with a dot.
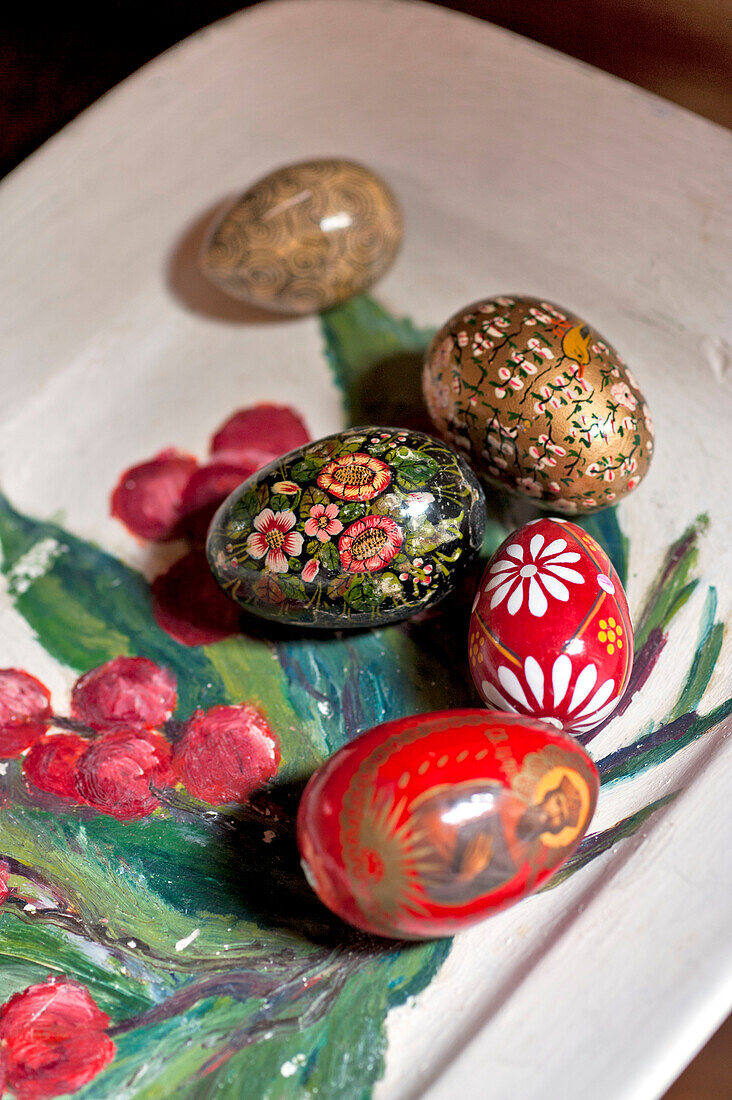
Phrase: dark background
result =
(54, 61)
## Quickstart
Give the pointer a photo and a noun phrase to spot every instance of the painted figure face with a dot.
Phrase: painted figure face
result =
(561, 806)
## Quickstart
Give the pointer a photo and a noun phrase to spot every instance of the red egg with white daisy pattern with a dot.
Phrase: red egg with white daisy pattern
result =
(550, 632)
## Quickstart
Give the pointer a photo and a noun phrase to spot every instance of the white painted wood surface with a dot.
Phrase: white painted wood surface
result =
(519, 170)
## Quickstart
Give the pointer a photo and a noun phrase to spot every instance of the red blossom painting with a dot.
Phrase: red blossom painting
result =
(172, 496)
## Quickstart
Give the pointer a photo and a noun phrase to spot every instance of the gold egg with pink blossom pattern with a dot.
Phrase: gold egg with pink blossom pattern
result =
(541, 403)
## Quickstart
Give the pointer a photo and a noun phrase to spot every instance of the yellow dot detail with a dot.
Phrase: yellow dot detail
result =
(612, 622)
(611, 649)
(403, 780)
(602, 636)
(462, 756)
(619, 630)
(611, 635)
(442, 761)
(481, 755)
(620, 644)
(423, 767)
(603, 624)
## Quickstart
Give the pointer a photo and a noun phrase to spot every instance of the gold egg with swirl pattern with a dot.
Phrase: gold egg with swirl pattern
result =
(305, 237)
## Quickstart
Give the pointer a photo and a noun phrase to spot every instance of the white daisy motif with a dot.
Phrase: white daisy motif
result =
(542, 570)
(587, 705)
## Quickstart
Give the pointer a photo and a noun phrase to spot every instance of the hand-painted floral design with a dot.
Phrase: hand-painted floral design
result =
(274, 539)
(546, 373)
(527, 691)
(172, 496)
(623, 395)
(542, 570)
(369, 544)
(53, 1040)
(355, 477)
(310, 570)
(323, 522)
(408, 518)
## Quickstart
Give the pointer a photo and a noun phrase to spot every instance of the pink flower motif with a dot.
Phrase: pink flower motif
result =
(504, 374)
(623, 396)
(529, 486)
(500, 392)
(631, 483)
(516, 384)
(274, 538)
(311, 570)
(323, 522)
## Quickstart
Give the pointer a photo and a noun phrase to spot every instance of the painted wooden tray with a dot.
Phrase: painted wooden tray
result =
(186, 952)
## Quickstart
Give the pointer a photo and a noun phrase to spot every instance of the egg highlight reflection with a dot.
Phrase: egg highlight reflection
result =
(305, 237)
(425, 825)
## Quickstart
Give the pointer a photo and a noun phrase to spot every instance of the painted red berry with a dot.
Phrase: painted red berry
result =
(51, 763)
(550, 633)
(25, 711)
(117, 772)
(147, 497)
(189, 605)
(127, 691)
(258, 435)
(226, 753)
(52, 1040)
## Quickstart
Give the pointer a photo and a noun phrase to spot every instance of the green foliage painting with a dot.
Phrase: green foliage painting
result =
(152, 908)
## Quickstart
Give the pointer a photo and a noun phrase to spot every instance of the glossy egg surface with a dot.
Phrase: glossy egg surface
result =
(368, 526)
(427, 824)
(550, 632)
(544, 405)
(305, 237)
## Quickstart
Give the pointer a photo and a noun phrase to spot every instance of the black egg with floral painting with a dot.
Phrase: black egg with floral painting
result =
(369, 526)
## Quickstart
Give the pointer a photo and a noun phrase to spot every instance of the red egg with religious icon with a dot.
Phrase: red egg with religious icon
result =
(550, 632)
(425, 825)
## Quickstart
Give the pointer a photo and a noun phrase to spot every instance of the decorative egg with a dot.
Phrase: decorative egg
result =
(543, 404)
(550, 633)
(361, 528)
(427, 824)
(305, 237)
